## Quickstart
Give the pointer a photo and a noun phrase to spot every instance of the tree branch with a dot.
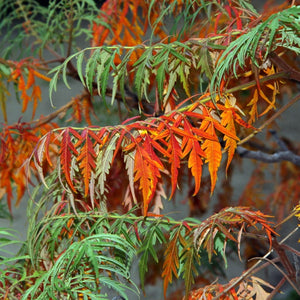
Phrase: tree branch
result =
(283, 154)
(250, 271)
(269, 158)
(281, 64)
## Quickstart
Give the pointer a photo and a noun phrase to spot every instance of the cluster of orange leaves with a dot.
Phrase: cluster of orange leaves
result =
(18, 77)
(125, 32)
(231, 223)
(18, 141)
(17, 144)
(250, 288)
(149, 148)
(128, 21)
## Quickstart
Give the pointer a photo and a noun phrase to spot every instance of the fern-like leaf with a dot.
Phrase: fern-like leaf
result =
(87, 262)
(213, 152)
(226, 222)
(254, 43)
(171, 262)
(66, 151)
(86, 158)
(190, 259)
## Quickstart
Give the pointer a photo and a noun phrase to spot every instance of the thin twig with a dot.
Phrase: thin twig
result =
(282, 272)
(251, 270)
(43, 120)
(278, 286)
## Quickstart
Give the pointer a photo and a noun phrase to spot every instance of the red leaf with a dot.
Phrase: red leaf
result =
(86, 158)
(175, 154)
(67, 148)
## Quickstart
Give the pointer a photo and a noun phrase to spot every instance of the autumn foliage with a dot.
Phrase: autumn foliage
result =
(184, 87)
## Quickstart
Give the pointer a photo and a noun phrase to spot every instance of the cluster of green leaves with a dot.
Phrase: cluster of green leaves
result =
(159, 60)
(76, 255)
(47, 24)
(279, 30)
(176, 60)
(12, 267)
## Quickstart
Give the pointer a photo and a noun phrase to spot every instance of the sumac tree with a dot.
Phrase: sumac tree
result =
(173, 95)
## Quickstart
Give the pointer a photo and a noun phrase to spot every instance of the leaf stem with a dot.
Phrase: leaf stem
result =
(164, 220)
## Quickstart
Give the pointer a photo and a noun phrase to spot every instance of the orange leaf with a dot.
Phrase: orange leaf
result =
(213, 153)
(230, 144)
(253, 111)
(39, 75)
(36, 95)
(222, 129)
(175, 154)
(67, 148)
(30, 79)
(86, 158)
(195, 164)
(6, 183)
(146, 168)
(190, 143)
(171, 262)
(240, 121)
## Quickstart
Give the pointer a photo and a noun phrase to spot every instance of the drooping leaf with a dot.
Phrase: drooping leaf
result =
(67, 150)
(175, 153)
(213, 152)
(146, 168)
(171, 261)
(190, 259)
(153, 235)
(230, 144)
(86, 158)
(104, 160)
(229, 222)
(195, 164)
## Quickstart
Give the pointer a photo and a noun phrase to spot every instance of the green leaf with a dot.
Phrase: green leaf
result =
(178, 55)
(90, 70)
(119, 76)
(220, 247)
(151, 235)
(79, 65)
(141, 79)
(205, 62)
(108, 65)
(189, 260)
(101, 62)
(53, 83)
(83, 263)
(160, 78)
(247, 44)
(104, 160)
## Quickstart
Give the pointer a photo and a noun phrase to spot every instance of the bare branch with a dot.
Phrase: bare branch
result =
(269, 158)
